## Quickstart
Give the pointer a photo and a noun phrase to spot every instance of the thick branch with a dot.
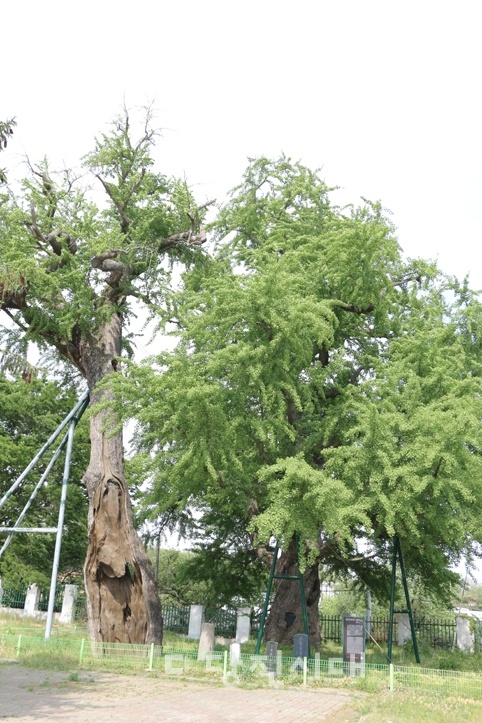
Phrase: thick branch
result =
(125, 223)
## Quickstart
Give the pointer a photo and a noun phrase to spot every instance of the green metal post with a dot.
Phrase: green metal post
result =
(408, 601)
(272, 575)
(302, 593)
(151, 656)
(392, 601)
(266, 600)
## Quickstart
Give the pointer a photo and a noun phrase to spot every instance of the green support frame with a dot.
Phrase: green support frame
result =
(272, 576)
(397, 553)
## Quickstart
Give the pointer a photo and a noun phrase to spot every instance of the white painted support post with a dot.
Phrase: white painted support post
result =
(32, 600)
(196, 617)
(67, 614)
(60, 525)
(243, 625)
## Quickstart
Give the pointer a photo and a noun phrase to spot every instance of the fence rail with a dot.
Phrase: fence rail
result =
(13, 598)
(437, 633)
(176, 618)
(43, 603)
(224, 621)
(259, 670)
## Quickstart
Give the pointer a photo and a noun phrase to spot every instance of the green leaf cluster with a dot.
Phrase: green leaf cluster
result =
(322, 384)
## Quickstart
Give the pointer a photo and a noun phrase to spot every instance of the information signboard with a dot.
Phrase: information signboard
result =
(354, 643)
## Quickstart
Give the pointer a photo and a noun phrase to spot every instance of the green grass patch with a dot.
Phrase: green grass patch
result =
(408, 707)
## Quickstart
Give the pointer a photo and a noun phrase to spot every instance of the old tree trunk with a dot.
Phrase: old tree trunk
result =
(69, 271)
(285, 618)
(123, 605)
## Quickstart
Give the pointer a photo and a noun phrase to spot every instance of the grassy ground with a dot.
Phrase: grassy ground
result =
(375, 704)
(430, 658)
(409, 708)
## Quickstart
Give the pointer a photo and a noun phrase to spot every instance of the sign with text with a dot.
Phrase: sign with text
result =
(353, 639)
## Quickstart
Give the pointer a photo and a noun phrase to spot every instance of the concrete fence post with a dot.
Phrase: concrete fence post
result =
(32, 600)
(196, 618)
(206, 641)
(243, 625)
(465, 636)
(67, 614)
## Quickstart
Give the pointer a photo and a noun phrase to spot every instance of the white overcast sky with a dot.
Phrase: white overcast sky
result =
(384, 96)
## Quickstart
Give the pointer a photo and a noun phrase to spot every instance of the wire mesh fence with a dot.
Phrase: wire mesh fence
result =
(260, 670)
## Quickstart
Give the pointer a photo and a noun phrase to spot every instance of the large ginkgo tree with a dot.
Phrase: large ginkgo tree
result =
(76, 249)
(323, 387)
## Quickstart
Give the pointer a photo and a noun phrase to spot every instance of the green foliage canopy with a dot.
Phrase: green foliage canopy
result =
(321, 384)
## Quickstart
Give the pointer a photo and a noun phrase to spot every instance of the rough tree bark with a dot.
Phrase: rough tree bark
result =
(123, 605)
(285, 618)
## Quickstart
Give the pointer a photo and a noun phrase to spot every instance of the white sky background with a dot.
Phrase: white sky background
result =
(383, 95)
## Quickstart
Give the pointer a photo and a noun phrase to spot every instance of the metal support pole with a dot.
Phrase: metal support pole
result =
(266, 600)
(31, 499)
(63, 499)
(299, 578)
(392, 602)
(60, 525)
(408, 601)
(81, 404)
(302, 594)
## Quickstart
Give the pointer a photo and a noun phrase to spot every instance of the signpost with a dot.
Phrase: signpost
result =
(354, 644)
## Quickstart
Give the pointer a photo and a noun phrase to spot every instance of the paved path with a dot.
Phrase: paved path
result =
(30, 695)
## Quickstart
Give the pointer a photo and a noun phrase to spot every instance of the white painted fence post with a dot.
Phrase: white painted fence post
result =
(32, 600)
(243, 625)
(67, 614)
(196, 617)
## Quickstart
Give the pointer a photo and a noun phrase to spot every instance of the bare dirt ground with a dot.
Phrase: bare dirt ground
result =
(30, 695)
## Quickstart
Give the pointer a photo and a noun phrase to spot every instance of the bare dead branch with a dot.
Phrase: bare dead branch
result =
(125, 223)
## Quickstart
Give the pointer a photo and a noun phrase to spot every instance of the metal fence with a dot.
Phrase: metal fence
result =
(224, 621)
(437, 633)
(176, 619)
(16, 598)
(256, 670)
(43, 603)
(13, 598)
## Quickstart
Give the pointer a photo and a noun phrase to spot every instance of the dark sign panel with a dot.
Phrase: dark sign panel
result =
(354, 641)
